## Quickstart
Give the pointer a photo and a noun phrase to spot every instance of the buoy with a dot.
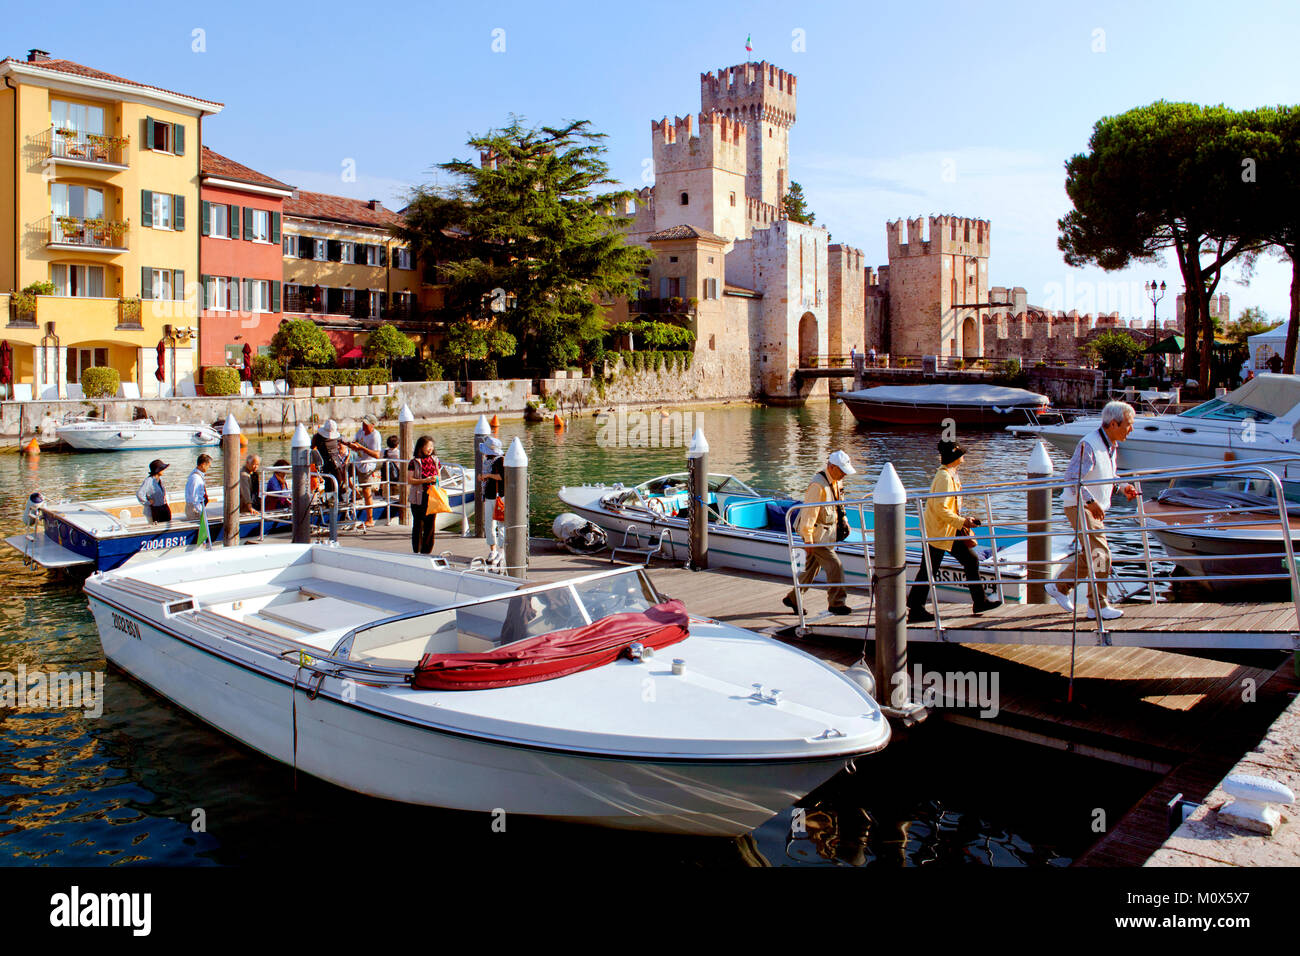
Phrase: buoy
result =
(496, 425)
(559, 422)
(33, 447)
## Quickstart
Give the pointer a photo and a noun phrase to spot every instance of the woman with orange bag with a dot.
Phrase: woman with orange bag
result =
(422, 473)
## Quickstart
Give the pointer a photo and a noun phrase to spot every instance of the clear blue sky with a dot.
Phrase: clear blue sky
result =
(904, 109)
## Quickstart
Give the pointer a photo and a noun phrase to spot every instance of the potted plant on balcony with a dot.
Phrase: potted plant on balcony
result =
(128, 311)
(23, 304)
(71, 229)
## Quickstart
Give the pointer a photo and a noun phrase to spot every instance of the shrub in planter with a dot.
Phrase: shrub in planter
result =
(219, 380)
(448, 399)
(266, 368)
(100, 382)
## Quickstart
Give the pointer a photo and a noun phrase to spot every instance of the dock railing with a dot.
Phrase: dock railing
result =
(1011, 566)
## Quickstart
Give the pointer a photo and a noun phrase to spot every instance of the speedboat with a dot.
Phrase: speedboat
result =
(968, 405)
(593, 699)
(747, 530)
(100, 534)
(1261, 419)
(143, 434)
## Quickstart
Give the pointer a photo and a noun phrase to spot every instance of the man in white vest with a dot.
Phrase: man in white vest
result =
(1090, 478)
(819, 527)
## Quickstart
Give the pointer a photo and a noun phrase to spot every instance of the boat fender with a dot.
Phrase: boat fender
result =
(32, 509)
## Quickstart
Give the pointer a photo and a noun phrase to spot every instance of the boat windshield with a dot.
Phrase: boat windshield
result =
(1220, 410)
(502, 619)
(719, 484)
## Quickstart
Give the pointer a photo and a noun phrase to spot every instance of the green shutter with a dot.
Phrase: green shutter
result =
(178, 284)
(275, 230)
(207, 216)
(178, 213)
(148, 132)
(233, 219)
(248, 222)
(383, 256)
(275, 296)
(178, 139)
(146, 282)
(203, 290)
(146, 207)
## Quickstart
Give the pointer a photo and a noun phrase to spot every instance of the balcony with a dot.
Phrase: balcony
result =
(78, 148)
(672, 306)
(102, 235)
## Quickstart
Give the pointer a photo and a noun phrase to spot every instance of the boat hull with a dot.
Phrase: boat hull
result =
(125, 437)
(970, 416)
(359, 747)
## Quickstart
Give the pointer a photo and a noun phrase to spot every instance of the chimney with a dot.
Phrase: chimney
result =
(37, 56)
(375, 204)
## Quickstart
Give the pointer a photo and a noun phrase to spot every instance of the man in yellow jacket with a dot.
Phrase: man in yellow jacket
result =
(943, 519)
(816, 526)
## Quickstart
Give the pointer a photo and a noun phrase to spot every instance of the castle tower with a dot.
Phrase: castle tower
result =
(936, 277)
(700, 173)
(763, 98)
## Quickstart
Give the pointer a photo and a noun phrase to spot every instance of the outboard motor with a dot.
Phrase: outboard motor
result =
(578, 535)
(32, 509)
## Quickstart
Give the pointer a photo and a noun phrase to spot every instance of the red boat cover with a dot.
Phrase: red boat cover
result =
(548, 656)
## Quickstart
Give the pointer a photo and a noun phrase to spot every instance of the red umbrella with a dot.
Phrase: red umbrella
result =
(248, 362)
(6, 363)
(161, 373)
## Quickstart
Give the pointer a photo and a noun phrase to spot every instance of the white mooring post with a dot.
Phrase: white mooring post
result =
(481, 431)
(1039, 512)
(697, 465)
(516, 510)
(405, 449)
(889, 541)
(299, 459)
(230, 465)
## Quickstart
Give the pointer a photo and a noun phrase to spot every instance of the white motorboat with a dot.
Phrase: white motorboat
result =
(592, 699)
(1261, 419)
(747, 531)
(143, 434)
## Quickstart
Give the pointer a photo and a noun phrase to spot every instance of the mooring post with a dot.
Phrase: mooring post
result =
(481, 431)
(1039, 511)
(299, 460)
(405, 429)
(889, 504)
(697, 465)
(230, 465)
(516, 510)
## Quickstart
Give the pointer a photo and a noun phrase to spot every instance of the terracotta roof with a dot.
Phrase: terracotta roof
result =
(76, 69)
(683, 232)
(729, 289)
(307, 205)
(214, 164)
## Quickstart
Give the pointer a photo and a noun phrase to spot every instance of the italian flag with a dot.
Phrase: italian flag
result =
(205, 536)
(748, 47)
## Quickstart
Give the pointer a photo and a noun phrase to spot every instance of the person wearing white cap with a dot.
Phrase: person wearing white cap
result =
(494, 490)
(368, 445)
(819, 528)
(334, 457)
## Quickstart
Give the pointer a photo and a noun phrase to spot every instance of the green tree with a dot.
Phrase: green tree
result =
(386, 344)
(528, 240)
(301, 343)
(1251, 321)
(795, 206)
(1115, 351)
(1165, 176)
(477, 342)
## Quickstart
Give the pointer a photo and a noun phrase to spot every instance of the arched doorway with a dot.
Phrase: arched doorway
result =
(970, 338)
(807, 340)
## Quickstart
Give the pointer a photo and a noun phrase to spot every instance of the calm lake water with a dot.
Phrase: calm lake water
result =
(127, 786)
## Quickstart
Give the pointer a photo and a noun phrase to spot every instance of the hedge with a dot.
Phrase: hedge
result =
(100, 382)
(220, 380)
(322, 377)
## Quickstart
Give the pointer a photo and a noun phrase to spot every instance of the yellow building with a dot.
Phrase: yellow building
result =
(100, 183)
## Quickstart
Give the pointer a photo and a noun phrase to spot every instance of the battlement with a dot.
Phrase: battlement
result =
(754, 90)
(760, 214)
(937, 236)
(850, 256)
(719, 142)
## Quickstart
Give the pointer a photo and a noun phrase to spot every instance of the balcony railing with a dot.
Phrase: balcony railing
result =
(89, 233)
(83, 147)
(673, 305)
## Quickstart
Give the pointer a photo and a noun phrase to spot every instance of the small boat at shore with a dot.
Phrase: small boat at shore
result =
(84, 433)
(401, 678)
(101, 534)
(968, 405)
(747, 530)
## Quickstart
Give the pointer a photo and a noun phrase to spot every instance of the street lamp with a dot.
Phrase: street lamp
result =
(1155, 294)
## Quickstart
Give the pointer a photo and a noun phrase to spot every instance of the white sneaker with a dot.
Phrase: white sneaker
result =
(1107, 613)
(1061, 598)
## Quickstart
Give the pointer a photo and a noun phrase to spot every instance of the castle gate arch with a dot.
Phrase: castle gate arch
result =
(970, 338)
(807, 340)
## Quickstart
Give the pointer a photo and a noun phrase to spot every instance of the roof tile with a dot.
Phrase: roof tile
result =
(77, 69)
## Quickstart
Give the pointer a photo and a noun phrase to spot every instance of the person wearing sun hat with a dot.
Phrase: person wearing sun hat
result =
(948, 532)
(817, 527)
(153, 496)
(494, 488)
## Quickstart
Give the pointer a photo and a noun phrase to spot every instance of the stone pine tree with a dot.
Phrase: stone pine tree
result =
(1164, 176)
(1276, 196)
(795, 206)
(527, 242)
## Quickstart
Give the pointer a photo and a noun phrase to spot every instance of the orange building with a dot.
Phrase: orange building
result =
(240, 259)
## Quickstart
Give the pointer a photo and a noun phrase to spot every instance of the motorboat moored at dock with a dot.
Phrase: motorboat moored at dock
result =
(84, 433)
(968, 405)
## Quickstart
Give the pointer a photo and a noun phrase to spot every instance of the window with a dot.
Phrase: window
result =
(162, 284)
(321, 250)
(373, 256)
(257, 295)
(160, 137)
(376, 303)
(78, 280)
(219, 293)
(710, 288)
(686, 199)
(402, 258)
(81, 359)
(261, 231)
(164, 137)
(162, 211)
(78, 116)
(347, 252)
(220, 220)
(672, 258)
(80, 202)
(291, 246)
(733, 199)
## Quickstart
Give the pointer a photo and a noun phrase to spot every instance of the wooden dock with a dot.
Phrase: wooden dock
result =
(1187, 717)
